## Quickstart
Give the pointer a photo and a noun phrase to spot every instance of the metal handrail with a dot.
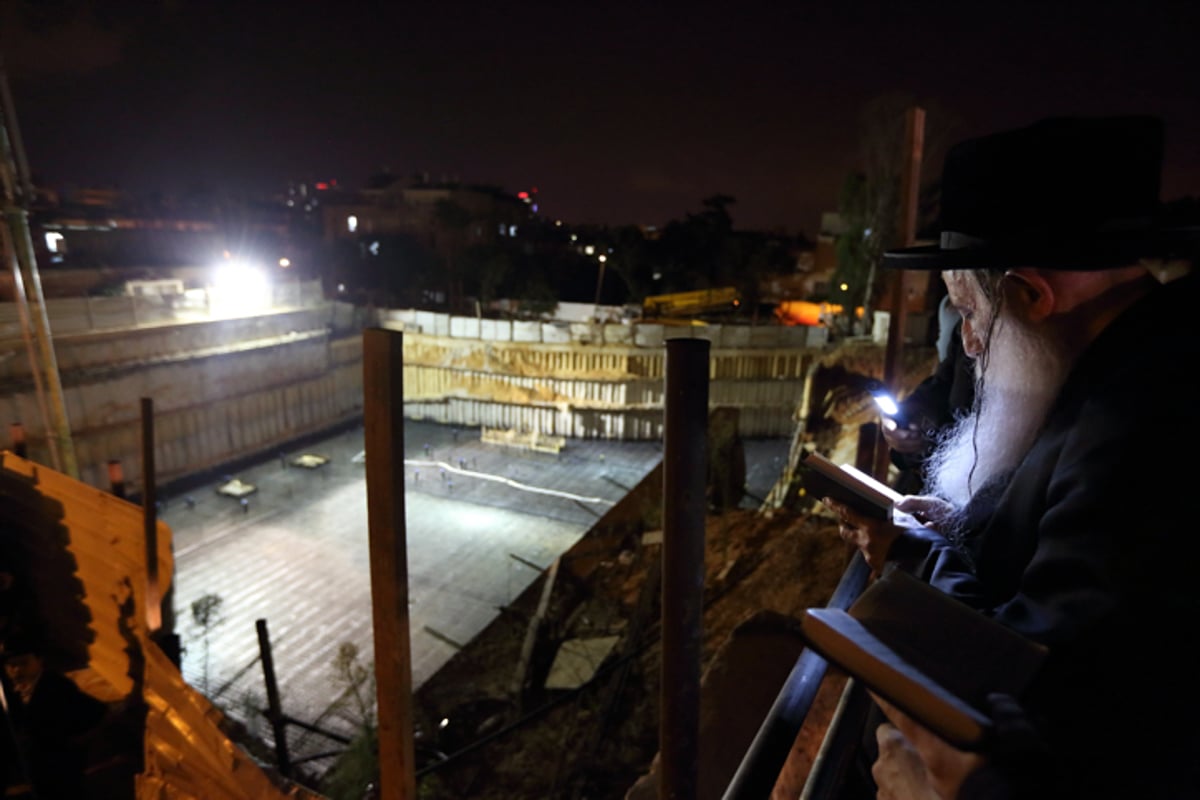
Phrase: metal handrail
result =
(760, 767)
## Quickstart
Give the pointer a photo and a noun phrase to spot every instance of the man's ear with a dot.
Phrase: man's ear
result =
(1029, 294)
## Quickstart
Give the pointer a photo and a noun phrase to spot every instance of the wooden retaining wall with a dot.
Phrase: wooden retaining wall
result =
(227, 389)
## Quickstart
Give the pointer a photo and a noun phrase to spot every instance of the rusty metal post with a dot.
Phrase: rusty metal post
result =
(685, 507)
(383, 423)
(274, 707)
(150, 519)
(16, 195)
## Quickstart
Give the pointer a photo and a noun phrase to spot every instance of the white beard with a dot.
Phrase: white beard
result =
(1020, 382)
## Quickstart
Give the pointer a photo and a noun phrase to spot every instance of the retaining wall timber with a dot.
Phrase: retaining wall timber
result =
(593, 379)
(228, 389)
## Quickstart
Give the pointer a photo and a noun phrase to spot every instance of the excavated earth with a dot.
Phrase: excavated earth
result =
(478, 737)
(598, 740)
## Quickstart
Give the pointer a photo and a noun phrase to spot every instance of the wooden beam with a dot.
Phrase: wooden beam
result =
(517, 687)
(383, 422)
(910, 191)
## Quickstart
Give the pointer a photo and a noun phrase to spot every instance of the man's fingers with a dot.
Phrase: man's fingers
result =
(899, 720)
(888, 736)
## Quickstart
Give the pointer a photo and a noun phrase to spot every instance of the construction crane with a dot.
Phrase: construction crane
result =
(683, 304)
(16, 194)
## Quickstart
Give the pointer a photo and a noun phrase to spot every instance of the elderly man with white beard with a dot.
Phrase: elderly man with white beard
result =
(1062, 505)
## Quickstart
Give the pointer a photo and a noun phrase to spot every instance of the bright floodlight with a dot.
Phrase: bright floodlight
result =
(240, 288)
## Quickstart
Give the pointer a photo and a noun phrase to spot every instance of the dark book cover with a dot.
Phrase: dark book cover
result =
(930, 655)
(823, 478)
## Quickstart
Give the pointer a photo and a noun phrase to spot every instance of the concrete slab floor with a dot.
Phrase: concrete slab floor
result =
(295, 553)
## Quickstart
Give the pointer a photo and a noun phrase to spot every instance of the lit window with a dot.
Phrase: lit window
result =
(503, 229)
(512, 230)
(374, 248)
(55, 243)
(352, 223)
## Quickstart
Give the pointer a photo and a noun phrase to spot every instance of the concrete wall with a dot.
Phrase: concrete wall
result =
(641, 334)
(70, 315)
(221, 389)
(225, 389)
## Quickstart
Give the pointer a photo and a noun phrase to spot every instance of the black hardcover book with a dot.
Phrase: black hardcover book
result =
(925, 652)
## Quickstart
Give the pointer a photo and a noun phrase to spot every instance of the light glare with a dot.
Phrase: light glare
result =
(239, 288)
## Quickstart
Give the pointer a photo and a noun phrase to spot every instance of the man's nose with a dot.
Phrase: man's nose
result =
(972, 342)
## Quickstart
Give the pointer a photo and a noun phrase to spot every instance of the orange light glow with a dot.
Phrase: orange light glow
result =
(805, 312)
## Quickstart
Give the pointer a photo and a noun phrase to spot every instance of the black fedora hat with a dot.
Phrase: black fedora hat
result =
(1069, 193)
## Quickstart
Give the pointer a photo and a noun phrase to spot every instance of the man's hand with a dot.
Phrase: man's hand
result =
(946, 767)
(898, 770)
(903, 438)
(929, 510)
(873, 537)
(917, 516)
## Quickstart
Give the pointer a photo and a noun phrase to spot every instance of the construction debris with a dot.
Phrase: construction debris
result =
(236, 488)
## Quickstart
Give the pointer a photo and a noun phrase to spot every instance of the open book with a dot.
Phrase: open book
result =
(846, 484)
(925, 652)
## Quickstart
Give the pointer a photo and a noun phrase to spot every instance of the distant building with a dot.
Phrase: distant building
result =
(90, 228)
(439, 215)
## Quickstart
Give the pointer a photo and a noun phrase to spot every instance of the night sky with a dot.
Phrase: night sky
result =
(617, 112)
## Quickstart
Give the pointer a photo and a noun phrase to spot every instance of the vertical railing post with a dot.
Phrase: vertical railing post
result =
(685, 506)
(274, 707)
(150, 519)
(758, 773)
(383, 424)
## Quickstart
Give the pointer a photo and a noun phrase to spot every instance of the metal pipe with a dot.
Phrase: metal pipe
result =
(154, 619)
(842, 744)
(760, 767)
(17, 198)
(685, 506)
(274, 708)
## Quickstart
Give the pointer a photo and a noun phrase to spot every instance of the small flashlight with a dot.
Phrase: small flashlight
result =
(887, 406)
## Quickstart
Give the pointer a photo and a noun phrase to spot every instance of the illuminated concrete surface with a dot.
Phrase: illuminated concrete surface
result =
(297, 554)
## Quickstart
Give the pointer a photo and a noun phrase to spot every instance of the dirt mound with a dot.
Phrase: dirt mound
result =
(597, 740)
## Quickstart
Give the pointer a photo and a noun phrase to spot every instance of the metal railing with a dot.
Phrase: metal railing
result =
(760, 767)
